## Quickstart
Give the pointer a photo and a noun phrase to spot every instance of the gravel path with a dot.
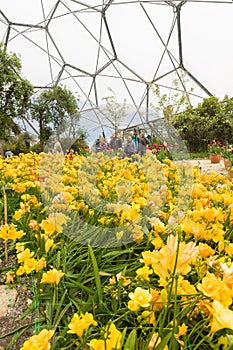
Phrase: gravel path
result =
(207, 167)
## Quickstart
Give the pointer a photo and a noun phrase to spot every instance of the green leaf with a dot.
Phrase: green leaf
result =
(96, 275)
(164, 342)
(131, 340)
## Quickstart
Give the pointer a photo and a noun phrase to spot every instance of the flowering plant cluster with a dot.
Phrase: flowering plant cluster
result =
(161, 150)
(215, 147)
(119, 254)
(227, 152)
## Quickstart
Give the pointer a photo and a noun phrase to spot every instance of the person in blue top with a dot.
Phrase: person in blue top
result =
(135, 138)
(8, 153)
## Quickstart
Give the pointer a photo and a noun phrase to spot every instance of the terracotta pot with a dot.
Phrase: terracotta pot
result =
(230, 174)
(215, 158)
(227, 162)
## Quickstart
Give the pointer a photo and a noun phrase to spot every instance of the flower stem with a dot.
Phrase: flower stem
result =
(5, 219)
(6, 251)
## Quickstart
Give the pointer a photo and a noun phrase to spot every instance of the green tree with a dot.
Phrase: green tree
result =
(15, 93)
(78, 144)
(212, 119)
(19, 143)
(51, 109)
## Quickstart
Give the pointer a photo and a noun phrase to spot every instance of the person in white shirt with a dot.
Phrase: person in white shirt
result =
(57, 146)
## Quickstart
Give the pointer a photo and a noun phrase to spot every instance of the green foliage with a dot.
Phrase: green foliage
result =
(19, 144)
(51, 109)
(78, 144)
(211, 120)
(15, 93)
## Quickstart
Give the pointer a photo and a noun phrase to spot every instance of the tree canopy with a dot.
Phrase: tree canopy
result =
(51, 109)
(212, 119)
(15, 93)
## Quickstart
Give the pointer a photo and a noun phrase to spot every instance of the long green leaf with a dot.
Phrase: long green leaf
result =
(164, 342)
(131, 340)
(96, 275)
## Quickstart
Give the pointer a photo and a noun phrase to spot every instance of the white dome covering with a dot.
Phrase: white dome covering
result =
(92, 45)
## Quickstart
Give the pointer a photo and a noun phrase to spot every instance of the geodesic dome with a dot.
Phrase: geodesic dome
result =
(92, 45)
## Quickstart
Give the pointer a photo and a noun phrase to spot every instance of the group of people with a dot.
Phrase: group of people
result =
(135, 144)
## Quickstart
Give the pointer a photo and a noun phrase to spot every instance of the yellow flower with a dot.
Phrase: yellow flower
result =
(216, 289)
(112, 339)
(222, 317)
(182, 330)
(157, 242)
(29, 265)
(48, 242)
(97, 344)
(229, 249)
(81, 323)
(205, 250)
(26, 197)
(48, 227)
(156, 301)
(40, 264)
(140, 298)
(24, 255)
(20, 271)
(169, 257)
(40, 341)
(20, 187)
(18, 214)
(19, 247)
(144, 273)
(58, 219)
(9, 232)
(52, 277)
(10, 275)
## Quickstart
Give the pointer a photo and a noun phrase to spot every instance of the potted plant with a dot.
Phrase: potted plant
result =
(227, 154)
(215, 149)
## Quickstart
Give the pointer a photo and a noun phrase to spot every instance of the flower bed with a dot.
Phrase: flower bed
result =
(119, 254)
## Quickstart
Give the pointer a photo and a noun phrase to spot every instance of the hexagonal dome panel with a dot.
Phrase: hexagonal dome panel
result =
(92, 45)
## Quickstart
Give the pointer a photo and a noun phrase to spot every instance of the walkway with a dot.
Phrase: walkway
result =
(208, 167)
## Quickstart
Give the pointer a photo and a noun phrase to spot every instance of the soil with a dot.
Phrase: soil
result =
(12, 325)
